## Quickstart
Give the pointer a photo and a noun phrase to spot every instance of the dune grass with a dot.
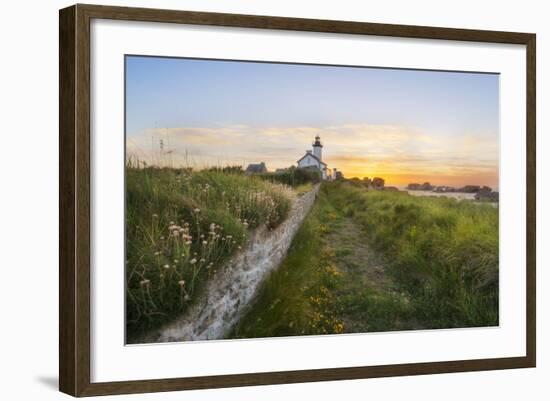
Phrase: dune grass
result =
(180, 228)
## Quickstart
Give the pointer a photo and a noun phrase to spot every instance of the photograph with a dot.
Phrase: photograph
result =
(268, 199)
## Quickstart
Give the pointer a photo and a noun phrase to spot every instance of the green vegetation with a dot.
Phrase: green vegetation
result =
(293, 176)
(303, 188)
(368, 260)
(363, 260)
(181, 226)
(442, 252)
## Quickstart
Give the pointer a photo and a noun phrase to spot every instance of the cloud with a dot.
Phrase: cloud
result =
(356, 149)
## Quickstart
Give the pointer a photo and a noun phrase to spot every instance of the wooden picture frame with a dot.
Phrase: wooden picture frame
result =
(74, 203)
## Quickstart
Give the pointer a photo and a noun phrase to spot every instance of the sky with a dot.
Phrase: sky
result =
(403, 125)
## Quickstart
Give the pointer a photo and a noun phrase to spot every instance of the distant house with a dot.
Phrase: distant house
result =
(256, 168)
(314, 159)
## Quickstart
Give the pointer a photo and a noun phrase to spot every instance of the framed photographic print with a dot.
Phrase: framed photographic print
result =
(251, 200)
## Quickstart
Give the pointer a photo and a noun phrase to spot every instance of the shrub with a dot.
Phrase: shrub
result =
(293, 176)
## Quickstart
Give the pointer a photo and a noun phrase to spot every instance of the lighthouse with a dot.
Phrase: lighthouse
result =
(318, 148)
(314, 159)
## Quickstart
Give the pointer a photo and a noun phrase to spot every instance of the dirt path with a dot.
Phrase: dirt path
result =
(367, 296)
(355, 258)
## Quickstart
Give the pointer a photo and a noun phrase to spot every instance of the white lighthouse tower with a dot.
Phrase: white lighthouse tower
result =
(318, 148)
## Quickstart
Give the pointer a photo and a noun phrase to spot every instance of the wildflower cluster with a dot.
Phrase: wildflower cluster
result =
(169, 275)
(322, 299)
(261, 203)
(181, 226)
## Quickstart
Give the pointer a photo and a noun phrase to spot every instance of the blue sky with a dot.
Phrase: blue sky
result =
(419, 122)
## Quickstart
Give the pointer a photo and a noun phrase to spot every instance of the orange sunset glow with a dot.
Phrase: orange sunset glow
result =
(397, 154)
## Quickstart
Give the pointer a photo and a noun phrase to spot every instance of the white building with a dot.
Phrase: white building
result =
(314, 159)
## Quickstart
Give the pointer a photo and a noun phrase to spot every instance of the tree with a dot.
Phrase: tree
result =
(378, 183)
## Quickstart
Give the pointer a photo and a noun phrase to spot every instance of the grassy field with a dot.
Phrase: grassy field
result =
(442, 252)
(180, 227)
(378, 261)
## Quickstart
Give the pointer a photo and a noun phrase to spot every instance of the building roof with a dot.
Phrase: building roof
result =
(256, 168)
(312, 155)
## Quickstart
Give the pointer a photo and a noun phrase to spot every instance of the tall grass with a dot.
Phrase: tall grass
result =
(443, 252)
(181, 226)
